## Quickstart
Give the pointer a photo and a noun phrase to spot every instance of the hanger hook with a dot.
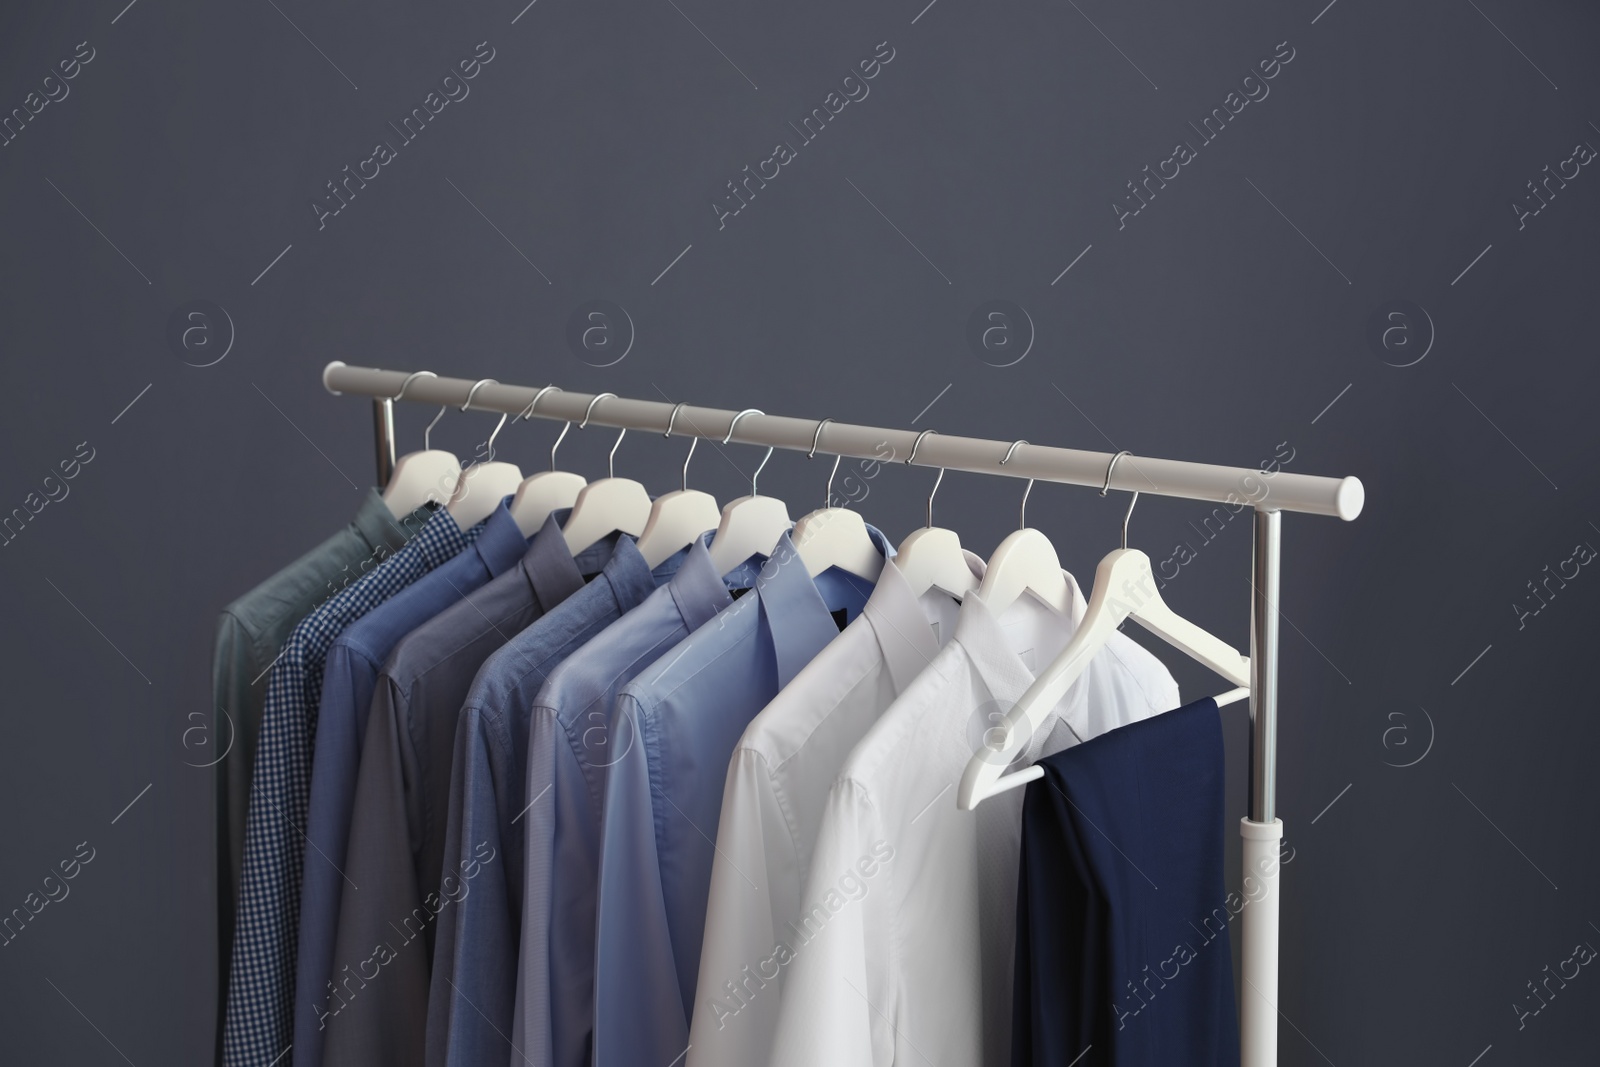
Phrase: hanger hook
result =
(1107, 487)
(489, 445)
(474, 390)
(731, 426)
(565, 426)
(672, 420)
(413, 376)
(602, 396)
(427, 432)
(531, 410)
(533, 405)
(827, 499)
(912, 459)
(1022, 512)
(497, 427)
(735, 422)
(611, 458)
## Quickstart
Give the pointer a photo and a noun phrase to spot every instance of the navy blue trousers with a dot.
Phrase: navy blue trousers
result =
(1122, 955)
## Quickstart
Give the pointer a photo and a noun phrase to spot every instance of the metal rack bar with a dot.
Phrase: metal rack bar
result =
(1283, 491)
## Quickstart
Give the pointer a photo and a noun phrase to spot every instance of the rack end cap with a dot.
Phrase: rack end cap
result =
(327, 373)
(1351, 498)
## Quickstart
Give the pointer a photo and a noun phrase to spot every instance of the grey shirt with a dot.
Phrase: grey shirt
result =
(402, 796)
(250, 634)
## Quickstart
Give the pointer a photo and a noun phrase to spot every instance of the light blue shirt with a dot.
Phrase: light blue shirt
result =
(478, 929)
(569, 753)
(676, 726)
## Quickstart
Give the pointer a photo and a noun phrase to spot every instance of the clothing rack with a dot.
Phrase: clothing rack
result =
(1280, 492)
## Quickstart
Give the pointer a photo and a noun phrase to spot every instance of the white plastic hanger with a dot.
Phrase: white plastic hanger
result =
(835, 537)
(1025, 562)
(751, 525)
(420, 477)
(1124, 587)
(482, 485)
(606, 506)
(931, 557)
(547, 491)
(677, 518)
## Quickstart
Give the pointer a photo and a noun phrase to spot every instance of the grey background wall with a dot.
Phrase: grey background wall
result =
(1340, 276)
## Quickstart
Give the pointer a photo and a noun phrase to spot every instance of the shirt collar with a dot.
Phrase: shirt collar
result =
(697, 589)
(628, 574)
(552, 573)
(905, 635)
(441, 538)
(379, 528)
(999, 667)
(500, 544)
(793, 606)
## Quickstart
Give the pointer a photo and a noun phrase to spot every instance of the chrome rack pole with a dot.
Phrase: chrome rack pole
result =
(1288, 491)
(1261, 829)
(383, 427)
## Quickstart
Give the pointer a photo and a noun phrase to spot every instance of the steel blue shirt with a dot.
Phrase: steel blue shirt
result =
(259, 1025)
(347, 685)
(664, 795)
(477, 931)
(569, 752)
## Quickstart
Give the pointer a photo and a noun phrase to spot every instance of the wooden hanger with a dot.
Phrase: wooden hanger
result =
(835, 537)
(481, 486)
(547, 491)
(931, 557)
(751, 525)
(420, 477)
(606, 506)
(677, 519)
(1025, 562)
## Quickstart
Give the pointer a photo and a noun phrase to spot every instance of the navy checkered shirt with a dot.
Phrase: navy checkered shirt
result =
(259, 1026)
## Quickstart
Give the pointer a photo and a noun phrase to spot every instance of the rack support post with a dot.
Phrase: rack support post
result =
(1261, 829)
(383, 428)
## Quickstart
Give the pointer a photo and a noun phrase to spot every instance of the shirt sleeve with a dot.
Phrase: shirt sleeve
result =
(838, 999)
(755, 887)
(346, 683)
(234, 721)
(382, 905)
(639, 1014)
(555, 973)
(475, 957)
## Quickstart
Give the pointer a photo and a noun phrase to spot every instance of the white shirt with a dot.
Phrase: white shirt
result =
(772, 804)
(904, 950)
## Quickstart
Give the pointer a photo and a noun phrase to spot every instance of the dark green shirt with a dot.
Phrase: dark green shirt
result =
(250, 636)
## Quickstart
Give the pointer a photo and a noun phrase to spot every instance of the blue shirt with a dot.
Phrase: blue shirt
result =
(664, 794)
(347, 684)
(397, 822)
(259, 1027)
(477, 930)
(569, 751)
